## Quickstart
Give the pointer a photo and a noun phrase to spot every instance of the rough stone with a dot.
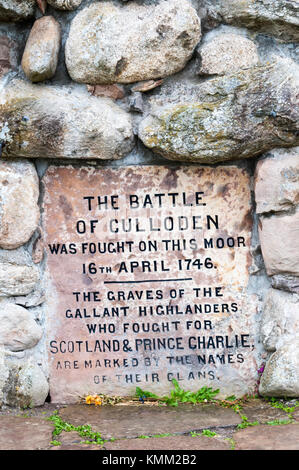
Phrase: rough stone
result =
(65, 4)
(133, 421)
(34, 299)
(76, 447)
(227, 53)
(38, 250)
(147, 85)
(279, 237)
(18, 433)
(136, 102)
(280, 377)
(19, 211)
(18, 429)
(19, 256)
(169, 443)
(16, 10)
(110, 43)
(4, 374)
(278, 18)
(17, 279)
(277, 181)
(262, 412)
(70, 440)
(236, 116)
(110, 91)
(268, 438)
(284, 282)
(33, 384)
(62, 122)
(40, 56)
(25, 385)
(8, 59)
(18, 329)
(280, 319)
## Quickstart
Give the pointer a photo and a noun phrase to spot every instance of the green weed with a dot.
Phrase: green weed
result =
(232, 443)
(145, 394)
(165, 434)
(179, 395)
(205, 432)
(55, 443)
(276, 403)
(83, 431)
(245, 423)
(276, 422)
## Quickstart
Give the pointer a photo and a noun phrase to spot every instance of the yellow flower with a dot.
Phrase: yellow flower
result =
(98, 401)
(88, 399)
(93, 400)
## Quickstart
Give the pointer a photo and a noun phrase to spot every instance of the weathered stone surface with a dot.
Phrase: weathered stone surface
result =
(110, 43)
(40, 56)
(277, 181)
(280, 319)
(262, 412)
(236, 116)
(34, 299)
(72, 441)
(4, 374)
(280, 377)
(38, 250)
(71, 438)
(169, 443)
(65, 4)
(16, 10)
(226, 53)
(33, 384)
(279, 237)
(18, 433)
(17, 279)
(5, 65)
(110, 91)
(284, 282)
(18, 329)
(136, 102)
(19, 211)
(25, 385)
(147, 85)
(19, 256)
(133, 421)
(77, 447)
(226, 195)
(61, 122)
(8, 60)
(279, 18)
(284, 437)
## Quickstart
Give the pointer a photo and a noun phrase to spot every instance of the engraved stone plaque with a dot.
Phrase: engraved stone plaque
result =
(147, 273)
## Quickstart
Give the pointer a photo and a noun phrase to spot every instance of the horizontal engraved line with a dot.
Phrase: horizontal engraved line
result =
(148, 280)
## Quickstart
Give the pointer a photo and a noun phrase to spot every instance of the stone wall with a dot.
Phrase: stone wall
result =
(121, 83)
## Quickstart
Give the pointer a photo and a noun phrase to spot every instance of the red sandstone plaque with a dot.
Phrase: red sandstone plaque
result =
(147, 271)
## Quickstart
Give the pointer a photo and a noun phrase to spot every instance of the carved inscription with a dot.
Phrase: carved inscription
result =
(147, 272)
